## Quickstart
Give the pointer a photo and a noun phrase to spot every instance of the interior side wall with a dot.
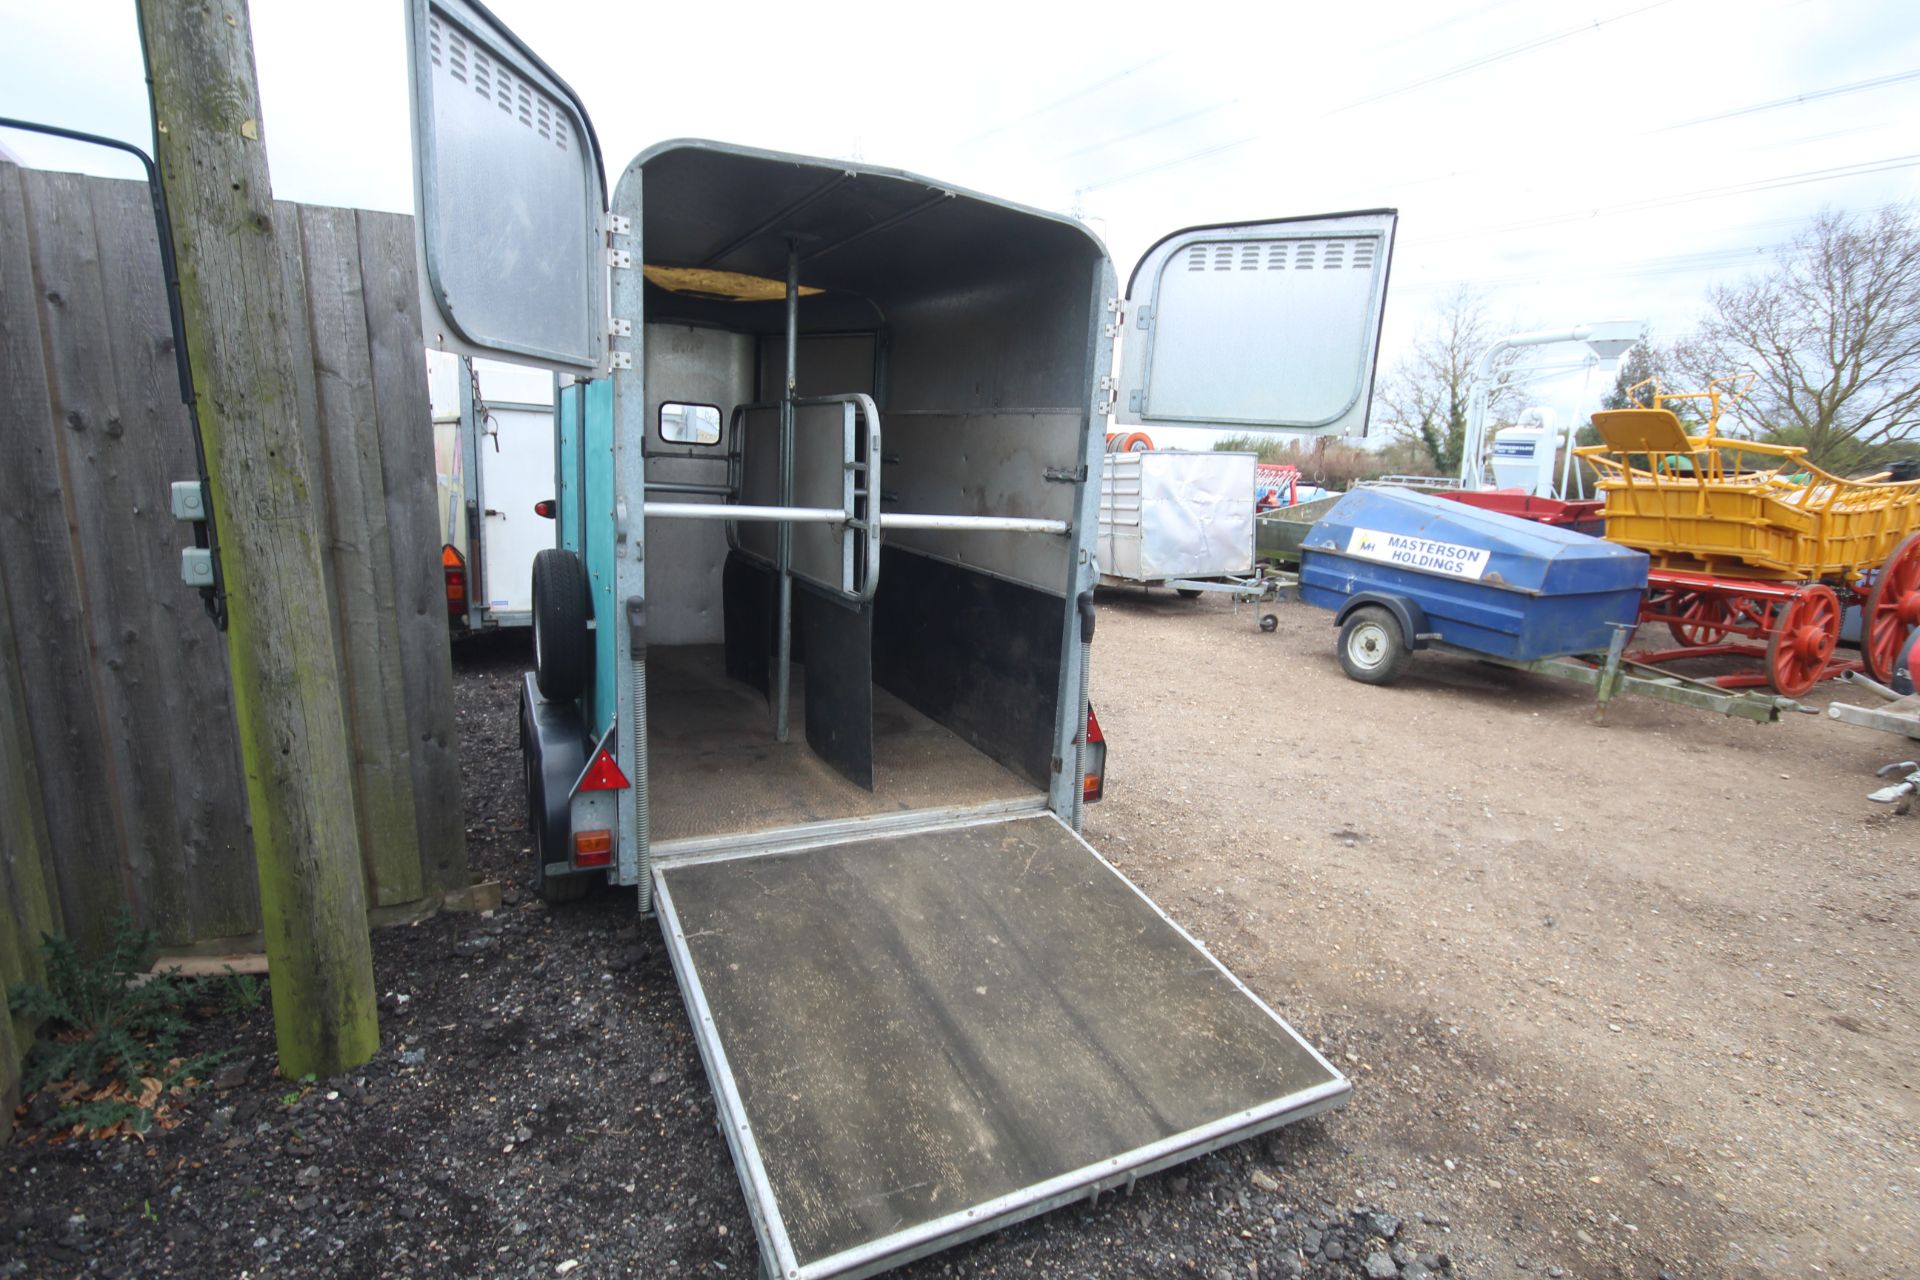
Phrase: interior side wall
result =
(684, 557)
(986, 395)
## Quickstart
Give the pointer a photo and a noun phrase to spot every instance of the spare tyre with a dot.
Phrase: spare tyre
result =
(561, 649)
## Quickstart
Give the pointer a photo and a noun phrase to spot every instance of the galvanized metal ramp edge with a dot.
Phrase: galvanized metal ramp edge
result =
(818, 835)
(779, 1257)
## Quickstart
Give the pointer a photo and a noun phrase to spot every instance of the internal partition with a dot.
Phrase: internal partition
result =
(970, 325)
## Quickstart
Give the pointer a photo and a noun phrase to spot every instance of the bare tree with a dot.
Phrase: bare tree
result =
(1424, 398)
(1831, 336)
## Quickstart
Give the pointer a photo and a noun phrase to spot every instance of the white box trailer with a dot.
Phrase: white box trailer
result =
(1173, 516)
(827, 458)
(493, 448)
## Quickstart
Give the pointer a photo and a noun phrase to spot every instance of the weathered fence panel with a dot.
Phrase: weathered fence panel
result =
(119, 771)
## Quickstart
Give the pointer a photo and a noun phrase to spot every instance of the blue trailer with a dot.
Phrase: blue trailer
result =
(1404, 571)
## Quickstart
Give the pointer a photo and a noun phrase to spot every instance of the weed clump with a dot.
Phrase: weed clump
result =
(108, 1048)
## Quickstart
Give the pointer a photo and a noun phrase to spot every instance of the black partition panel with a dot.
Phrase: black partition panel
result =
(749, 616)
(838, 639)
(978, 654)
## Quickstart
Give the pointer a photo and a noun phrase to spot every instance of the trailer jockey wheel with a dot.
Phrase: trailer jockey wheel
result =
(560, 641)
(1372, 650)
(1269, 622)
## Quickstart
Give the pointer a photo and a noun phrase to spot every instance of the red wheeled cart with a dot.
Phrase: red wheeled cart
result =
(1758, 553)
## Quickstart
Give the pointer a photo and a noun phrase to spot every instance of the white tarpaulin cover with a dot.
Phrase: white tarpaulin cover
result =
(1171, 513)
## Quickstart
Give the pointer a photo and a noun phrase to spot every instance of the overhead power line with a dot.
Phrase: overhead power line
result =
(1063, 100)
(1464, 68)
(1501, 55)
(1812, 95)
(1861, 169)
(1142, 132)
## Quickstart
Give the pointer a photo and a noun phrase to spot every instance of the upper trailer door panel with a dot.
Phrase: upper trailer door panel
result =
(1268, 325)
(509, 193)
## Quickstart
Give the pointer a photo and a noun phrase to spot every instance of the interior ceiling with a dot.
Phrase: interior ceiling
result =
(880, 235)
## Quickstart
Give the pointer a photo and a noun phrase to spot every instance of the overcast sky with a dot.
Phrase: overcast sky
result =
(1600, 158)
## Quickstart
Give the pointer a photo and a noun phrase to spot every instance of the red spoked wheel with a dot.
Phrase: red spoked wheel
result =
(1892, 611)
(1700, 612)
(1806, 628)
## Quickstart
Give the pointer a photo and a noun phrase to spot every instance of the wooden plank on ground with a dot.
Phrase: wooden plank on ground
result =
(37, 568)
(361, 556)
(405, 436)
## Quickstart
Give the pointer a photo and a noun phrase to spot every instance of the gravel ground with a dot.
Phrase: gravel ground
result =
(1623, 1001)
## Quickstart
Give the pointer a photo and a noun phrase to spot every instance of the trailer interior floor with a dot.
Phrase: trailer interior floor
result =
(715, 768)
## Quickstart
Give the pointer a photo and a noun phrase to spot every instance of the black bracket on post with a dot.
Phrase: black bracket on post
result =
(192, 503)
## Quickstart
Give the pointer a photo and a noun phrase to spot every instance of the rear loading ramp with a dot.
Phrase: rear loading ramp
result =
(914, 1039)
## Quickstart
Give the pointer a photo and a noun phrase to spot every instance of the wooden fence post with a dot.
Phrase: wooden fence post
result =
(280, 643)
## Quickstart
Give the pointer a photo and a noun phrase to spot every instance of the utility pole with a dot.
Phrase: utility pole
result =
(286, 693)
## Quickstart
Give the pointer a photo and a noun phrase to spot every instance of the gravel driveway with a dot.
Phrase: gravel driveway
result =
(1617, 1001)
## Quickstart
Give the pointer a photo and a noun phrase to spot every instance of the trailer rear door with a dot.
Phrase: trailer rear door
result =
(916, 1038)
(510, 197)
(1262, 325)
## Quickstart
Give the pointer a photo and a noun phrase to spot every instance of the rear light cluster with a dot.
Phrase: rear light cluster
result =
(593, 846)
(1094, 784)
(455, 566)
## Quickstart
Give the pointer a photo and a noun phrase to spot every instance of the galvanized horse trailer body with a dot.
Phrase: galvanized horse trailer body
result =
(813, 672)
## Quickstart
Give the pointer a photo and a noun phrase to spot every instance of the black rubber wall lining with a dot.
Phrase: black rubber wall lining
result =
(838, 637)
(977, 654)
(974, 653)
(748, 618)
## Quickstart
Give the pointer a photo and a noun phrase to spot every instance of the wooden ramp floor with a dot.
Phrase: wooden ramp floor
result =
(916, 1037)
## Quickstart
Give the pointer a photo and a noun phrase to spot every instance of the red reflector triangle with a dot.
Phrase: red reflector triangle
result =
(604, 774)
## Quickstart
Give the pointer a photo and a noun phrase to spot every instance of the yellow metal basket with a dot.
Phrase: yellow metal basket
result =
(1738, 508)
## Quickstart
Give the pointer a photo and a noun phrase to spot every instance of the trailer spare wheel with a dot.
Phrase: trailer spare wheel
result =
(560, 651)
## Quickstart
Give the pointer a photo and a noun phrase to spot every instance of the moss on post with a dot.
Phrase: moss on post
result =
(280, 645)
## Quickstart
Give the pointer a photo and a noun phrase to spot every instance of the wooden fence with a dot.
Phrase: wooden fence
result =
(120, 777)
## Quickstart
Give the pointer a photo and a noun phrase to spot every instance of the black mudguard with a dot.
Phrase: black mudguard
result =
(553, 741)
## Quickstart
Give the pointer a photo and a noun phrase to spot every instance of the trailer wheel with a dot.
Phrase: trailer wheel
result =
(552, 889)
(560, 642)
(1269, 622)
(1188, 593)
(1372, 650)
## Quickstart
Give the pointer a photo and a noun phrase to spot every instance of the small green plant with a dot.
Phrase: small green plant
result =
(108, 1045)
(291, 1096)
(146, 1212)
(240, 992)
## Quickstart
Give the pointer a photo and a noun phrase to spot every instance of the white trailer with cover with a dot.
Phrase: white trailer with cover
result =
(812, 646)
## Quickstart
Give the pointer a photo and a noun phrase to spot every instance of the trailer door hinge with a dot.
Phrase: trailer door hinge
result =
(1118, 311)
(618, 225)
(623, 360)
(619, 259)
(622, 328)
(1109, 391)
